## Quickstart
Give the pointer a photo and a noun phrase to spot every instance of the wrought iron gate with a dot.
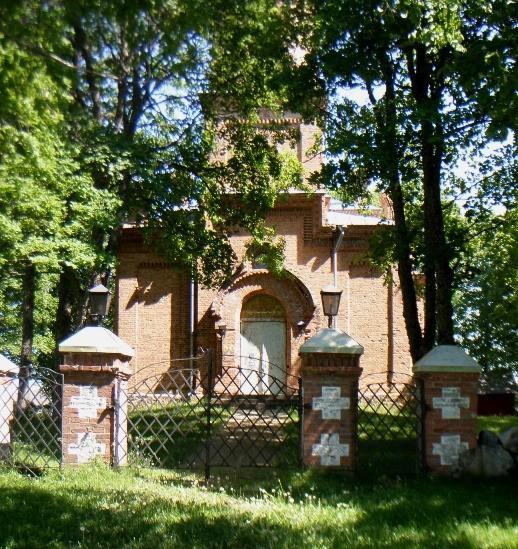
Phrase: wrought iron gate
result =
(192, 416)
(390, 417)
(31, 419)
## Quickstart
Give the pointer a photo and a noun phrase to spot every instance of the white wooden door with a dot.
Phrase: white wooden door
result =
(263, 350)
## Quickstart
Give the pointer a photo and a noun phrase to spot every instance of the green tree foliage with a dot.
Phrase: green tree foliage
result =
(426, 107)
(47, 207)
(487, 302)
(436, 82)
(486, 299)
(138, 116)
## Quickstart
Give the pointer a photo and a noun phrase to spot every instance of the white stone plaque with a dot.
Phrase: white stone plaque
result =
(450, 402)
(449, 449)
(330, 450)
(331, 403)
(88, 402)
(86, 447)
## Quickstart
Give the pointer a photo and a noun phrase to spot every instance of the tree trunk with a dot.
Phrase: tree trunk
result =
(403, 250)
(427, 85)
(67, 297)
(28, 292)
(430, 248)
(440, 327)
(28, 282)
(406, 280)
(443, 270)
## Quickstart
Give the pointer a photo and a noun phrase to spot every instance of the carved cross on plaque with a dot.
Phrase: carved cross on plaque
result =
(86, 447)
(88, 402)
(331, 403)
(330, 450)
(450, 402)
(449, 449)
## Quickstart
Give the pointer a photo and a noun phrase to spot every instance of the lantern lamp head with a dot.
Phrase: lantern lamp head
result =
(98, 302)
(330, 302)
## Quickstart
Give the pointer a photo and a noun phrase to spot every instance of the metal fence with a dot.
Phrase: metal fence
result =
(31, 419)
(390, 423)
(191, 416)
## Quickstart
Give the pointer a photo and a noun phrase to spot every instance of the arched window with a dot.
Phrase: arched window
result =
(262, 307)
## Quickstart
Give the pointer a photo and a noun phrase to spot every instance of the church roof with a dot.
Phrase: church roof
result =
(338, 214)
(344, 218)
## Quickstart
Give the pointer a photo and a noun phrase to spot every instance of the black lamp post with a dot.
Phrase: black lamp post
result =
(98, 303)
(330, 302)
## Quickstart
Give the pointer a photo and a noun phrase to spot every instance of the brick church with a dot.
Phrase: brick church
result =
(164, 316)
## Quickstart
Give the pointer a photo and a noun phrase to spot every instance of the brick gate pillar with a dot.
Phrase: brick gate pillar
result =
(94, 361)
(450, 386)
(330, 372)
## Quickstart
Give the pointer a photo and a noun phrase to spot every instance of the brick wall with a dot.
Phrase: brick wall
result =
(152, 310)
(153, 298)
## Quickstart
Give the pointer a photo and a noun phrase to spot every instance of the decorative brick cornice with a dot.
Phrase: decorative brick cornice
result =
(290, 290)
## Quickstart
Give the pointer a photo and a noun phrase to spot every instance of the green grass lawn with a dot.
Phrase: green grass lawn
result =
(97, 507)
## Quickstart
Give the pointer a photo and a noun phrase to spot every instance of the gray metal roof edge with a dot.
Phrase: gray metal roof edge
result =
(85, 341)
(330, 340)
(447, 358)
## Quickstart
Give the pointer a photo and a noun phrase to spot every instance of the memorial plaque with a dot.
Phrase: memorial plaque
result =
(88, 402)
(330, 450)
(449, 449)
(450, 402)
(331, 403)
(86, 447)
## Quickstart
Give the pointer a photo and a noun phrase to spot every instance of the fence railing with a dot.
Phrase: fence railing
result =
(31, 429)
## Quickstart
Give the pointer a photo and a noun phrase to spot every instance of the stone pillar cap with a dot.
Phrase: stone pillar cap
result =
(95, 339)
(7, 365)
(447, 358)
(330, 340)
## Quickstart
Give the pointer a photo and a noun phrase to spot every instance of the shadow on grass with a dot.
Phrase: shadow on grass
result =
(391, 458)
(388, 442)
(147, 512)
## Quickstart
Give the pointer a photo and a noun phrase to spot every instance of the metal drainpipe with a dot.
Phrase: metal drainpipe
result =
(334, 255)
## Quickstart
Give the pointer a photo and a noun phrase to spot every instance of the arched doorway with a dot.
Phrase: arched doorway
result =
(263, 345)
